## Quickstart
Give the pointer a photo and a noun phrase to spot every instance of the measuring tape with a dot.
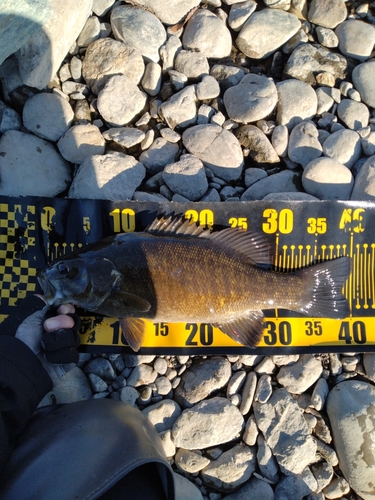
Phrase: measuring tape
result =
(36, 231)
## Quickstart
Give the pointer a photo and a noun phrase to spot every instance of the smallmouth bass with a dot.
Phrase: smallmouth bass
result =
(177, 271)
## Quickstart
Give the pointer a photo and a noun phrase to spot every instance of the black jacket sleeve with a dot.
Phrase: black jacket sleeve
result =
(23, 384)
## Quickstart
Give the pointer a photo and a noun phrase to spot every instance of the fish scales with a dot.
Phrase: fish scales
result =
(205, 282)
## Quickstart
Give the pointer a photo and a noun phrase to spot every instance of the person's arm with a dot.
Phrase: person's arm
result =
(25, 375)
(23, 384)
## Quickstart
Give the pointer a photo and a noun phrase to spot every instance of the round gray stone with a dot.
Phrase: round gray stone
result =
(343, 146)
(232, 469)
(279, 140)
(356, 39)
(201, 379)
(254, 488)
(299, 376)
(363, 79)
(113, 176)
(265, 31)
(297, 102)
(170, 12)
(351, 411)
(327, 14)
(192, 64)
(81, 141)
(31, 166)
(327, 179)
(181, 109)
(159, 154)
(47, 115)
(163, 414)
(107, 57)
(186, 177)
(355, 115)
(124, 136)
(120, 100)
(151, 80)
(217, 148)
(209, 423)
(364, 186)
(284, 181)
(252, 99)
(206, 33)
(139, 29)
(304, 145)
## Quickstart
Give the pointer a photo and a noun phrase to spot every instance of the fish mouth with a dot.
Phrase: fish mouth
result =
(49, 291)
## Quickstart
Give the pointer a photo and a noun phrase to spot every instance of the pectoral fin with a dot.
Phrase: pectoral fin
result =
(247, 330)
(133, 330)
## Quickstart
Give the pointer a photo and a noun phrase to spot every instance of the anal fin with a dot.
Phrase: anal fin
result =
(246, 330)
(133, 330)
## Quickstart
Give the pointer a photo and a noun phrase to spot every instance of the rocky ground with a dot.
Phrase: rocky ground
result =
(213, 101)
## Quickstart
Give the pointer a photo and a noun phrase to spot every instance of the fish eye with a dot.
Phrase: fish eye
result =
(63, 268)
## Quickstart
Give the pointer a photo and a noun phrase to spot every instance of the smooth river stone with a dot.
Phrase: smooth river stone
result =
(351, 411)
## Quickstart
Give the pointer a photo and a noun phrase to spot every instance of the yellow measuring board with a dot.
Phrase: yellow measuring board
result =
(36, 231)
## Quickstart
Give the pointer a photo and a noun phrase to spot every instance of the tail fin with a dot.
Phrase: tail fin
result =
(323, 294)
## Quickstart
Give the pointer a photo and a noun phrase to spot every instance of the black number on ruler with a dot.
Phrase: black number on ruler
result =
(116, 339)
(313, 328)
(161, 329)
(281, 332)
(206, 334)
(353, 331)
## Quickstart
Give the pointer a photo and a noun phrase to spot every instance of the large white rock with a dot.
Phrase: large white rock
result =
(343, 146)
(327, 179)
(265, 31)
(168, 12)
(114, 176)
(297, 102)
(363, 79)
(356, 39)
(31, 166)
(286, 432)
(217, 148)
(304, 145)
(81, 141)
(364, 186)
(40, 58)
(206, 33)
(120, 100)
(140, 29)
(251, 100)
(351, 411)
(19, 19)
(47, 115)
(209, 423)
(107, 57)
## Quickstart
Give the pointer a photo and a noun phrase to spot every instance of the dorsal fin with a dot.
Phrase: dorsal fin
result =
(253, 245)
(166, 225)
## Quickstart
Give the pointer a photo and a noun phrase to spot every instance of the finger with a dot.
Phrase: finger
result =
(60, 339)
(58, 322)
(66, 309)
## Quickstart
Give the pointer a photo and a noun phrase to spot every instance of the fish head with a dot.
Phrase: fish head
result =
(85, 282)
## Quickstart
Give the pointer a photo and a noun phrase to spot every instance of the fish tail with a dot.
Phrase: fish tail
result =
(323, 295)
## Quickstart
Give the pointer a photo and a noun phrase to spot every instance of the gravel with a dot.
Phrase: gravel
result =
(208, 101)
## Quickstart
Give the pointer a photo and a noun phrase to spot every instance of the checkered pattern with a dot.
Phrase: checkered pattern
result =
(17, 275)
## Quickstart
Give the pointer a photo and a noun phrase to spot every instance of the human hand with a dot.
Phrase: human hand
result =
(54, 340)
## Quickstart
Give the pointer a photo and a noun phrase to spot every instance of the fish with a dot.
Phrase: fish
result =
(178, 271)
